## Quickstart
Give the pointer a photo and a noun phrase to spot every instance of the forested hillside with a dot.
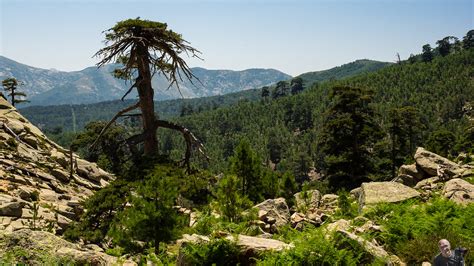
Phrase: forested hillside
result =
(59, 118)
(430, 101)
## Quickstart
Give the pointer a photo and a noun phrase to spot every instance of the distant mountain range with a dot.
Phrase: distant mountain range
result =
(91, 85)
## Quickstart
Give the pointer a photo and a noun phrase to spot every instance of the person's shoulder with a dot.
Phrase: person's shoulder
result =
(438, 259)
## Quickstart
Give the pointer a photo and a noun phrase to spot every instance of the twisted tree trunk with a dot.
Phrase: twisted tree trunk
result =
(145, 93)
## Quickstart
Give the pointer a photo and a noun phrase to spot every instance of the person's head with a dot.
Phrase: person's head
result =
(444, 247)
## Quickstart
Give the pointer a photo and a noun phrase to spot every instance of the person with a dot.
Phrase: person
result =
(448, 257)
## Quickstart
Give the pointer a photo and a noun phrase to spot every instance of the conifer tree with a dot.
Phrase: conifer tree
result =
(146, 48)
(427, 54)
(246, 166)
(10, 86)
(347, 137)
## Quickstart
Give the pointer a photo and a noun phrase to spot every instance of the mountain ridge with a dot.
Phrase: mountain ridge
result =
(92, 84)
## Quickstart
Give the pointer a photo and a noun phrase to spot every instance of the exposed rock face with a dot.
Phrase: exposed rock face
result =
(435, 165)
(36, 179)
(38, 244)
(274, 211)
(459, 191)
(378, 192)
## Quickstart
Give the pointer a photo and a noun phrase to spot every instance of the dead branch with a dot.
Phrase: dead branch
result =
(136, 84)
(189, 137)
(128, 109)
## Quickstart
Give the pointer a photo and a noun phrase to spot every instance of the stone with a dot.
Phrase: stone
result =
(375, 251)
(250, 246)
(30, 140)
(307, 199)
(271, 220)
(16, 225)
(355, 193)
(257, 244)
(4, 104)
(16, 126)
(435, 165)
(47, 195)
(459, 191)
(277, 209)
(379, 192)
(60, 158)
(341, 224)
(91, 171)
(262, 215)
(60, 174)
(296, 218)
(407, 180)
(193, 219)
(329, 202)
(427, 183)
(412, 170)
(11, 209)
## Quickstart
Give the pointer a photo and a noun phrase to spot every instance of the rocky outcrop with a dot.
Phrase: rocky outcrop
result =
(378, 192)
(459, 191)
(274, 212)
(38, 188)
(38, 245)
(434, 165)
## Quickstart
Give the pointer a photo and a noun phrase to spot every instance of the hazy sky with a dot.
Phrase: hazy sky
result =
(294, 36)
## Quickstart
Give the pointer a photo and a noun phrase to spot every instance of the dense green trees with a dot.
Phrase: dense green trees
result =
(348, 134)
(10, 86)
(409, 101)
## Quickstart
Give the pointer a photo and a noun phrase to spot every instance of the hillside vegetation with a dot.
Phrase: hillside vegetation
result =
(372, 169)
(56, 118)
(435, 97)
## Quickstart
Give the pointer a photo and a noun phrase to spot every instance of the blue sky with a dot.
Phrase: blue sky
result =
(294, 36)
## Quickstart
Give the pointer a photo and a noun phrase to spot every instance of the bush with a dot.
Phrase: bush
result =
(313, 248)
(412, 231)
(216, 252)
(229, 201)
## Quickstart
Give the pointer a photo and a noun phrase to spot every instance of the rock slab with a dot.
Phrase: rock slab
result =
(379, 192)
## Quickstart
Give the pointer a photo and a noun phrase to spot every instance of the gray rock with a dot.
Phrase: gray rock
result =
(459, 191)
(16, 126)
(12, 209)
(32, 241)
(412, 170)
(378, 192)
(329, 202)
(60, 174)
(435, 165)
(277, 209)
(308, 199)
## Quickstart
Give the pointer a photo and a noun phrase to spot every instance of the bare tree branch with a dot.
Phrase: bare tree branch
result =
(120, 113)
(189, 137)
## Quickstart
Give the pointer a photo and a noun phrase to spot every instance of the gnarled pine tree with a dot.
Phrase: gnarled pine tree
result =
(146, 48)
(10, 85)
